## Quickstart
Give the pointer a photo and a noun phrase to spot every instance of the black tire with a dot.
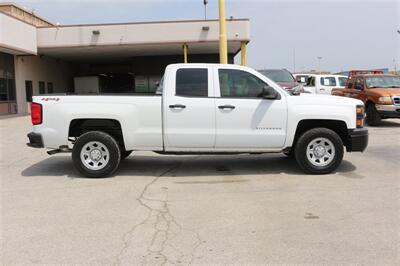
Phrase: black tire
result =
(373, 117)
(125, 154)
(307, 138)
(108, 143)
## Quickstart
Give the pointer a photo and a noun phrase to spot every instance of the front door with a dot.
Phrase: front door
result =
(189, 111)
(245, 121)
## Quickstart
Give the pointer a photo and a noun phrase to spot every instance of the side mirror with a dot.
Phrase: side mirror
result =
(270, 93)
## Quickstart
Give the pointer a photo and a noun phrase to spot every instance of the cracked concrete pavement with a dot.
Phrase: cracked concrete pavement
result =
(200, 210)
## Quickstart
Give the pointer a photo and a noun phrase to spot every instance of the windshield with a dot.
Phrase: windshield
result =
(342, 81)
(278, 75)
(382, 82)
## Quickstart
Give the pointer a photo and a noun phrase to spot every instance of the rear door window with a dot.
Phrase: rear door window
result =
(328, 81)
(192, 82)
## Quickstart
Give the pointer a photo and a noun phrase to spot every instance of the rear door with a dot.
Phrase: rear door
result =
(245, 121)
(189, 112)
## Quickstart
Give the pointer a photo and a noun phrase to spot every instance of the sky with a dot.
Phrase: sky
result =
(288, 34)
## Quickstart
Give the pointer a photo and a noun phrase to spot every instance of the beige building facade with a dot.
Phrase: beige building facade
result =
(39, 57)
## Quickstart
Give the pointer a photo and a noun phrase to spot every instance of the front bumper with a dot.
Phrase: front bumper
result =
(358, 139)
(35, 140)
(388, 111)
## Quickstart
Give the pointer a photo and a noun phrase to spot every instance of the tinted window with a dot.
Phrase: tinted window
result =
(41, 87)
(342, 81)
(192, 82)
(50, 87)
(3, 90)
(237, 83)
(28, 90)
(328, 81)
(358, 85)
(311, 82)
(11, 89)
(302, 79)
(351, 82)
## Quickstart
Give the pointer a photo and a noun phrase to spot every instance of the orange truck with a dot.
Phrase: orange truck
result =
(379, 92)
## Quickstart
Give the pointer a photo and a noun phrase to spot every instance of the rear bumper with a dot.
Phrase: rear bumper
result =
(358, 139)
(35, 140)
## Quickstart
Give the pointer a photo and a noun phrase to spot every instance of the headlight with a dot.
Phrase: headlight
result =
(385, 100)
(360, 114)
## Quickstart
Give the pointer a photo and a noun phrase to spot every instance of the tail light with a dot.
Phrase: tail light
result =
(360, 115)
(36, 113)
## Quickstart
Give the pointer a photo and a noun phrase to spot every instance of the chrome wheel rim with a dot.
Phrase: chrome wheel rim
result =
(320, 152)
(95, 155)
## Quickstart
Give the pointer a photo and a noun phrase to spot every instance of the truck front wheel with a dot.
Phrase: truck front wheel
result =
(96, 154)
(373, 117)
(319, 151)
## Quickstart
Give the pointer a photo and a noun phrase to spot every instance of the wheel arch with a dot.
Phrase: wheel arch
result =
(338, 126)
(113, 127)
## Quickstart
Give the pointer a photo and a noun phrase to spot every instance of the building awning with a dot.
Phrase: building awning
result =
(121, 41)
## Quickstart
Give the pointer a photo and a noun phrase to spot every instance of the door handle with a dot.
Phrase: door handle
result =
(174, 106)
(226, 106)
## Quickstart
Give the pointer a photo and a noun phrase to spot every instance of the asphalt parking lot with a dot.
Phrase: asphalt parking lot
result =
(245, 209)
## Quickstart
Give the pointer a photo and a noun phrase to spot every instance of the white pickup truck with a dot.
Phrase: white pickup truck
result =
(323, 84)
(200, 109)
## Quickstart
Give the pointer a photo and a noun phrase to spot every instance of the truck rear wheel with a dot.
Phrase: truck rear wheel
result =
(373, 117)
(319, 151)
(96, 154)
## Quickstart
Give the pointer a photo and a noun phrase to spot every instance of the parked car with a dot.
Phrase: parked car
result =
(200, 108)
(323, 84)
(284, 78)
(379, 92)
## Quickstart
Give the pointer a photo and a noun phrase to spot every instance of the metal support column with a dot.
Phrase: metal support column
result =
(223, 44)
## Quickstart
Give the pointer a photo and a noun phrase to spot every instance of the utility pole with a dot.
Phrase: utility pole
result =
(294, 60)
(319, 63)
(205, 2)
(223, 43)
